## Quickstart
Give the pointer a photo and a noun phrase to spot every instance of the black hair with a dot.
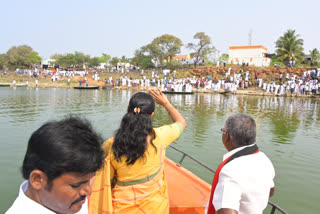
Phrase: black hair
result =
(242, 129)
(131, 138)
(68, 145)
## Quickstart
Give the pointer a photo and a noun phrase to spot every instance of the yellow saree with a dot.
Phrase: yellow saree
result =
(141, 187)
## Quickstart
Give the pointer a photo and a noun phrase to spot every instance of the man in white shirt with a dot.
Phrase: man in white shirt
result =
(60, 163)
(243, 182)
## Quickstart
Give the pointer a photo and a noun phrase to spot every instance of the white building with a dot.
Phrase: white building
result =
(254, 55)
(48, 62)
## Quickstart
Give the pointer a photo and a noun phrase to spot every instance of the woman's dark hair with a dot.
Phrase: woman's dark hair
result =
(131, 138)
(68, 145)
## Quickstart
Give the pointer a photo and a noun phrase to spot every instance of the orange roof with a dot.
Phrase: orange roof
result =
(248, 47)
(180, 57)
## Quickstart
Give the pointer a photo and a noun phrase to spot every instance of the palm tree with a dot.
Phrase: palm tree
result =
(289, 47)
(314, 55)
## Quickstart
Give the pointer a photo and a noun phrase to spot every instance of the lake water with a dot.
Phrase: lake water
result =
(287, 131)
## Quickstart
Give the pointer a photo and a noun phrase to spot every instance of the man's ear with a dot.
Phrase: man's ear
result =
(37, 179)
(151, 115)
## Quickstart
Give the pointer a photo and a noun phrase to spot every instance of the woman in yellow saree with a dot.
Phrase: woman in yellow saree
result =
(135, 160)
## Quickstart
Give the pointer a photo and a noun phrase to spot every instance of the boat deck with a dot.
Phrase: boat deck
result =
(187, 192)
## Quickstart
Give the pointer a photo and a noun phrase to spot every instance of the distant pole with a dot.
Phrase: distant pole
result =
(250, 38)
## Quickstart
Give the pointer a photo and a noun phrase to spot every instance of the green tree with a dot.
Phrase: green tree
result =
(95, 61)
(224, 56)
(151, 50)
(142, 60)
(80, 59)
(3, 61)
(105, 58)
(165, 46)
(22, 56)
(124, 59)
(289, 47)
(114, 61)
(201, 48)
(77, 59)
(276, 61)
(314, 55)
(66, 60)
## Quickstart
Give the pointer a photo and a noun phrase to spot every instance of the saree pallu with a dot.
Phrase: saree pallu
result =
(100, 201)
(147, 195)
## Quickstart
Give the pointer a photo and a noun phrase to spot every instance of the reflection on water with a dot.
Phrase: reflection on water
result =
(287, 131)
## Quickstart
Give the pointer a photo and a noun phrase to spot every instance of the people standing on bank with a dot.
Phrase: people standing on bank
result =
(136, 160)
(61, 160)
(243, 182)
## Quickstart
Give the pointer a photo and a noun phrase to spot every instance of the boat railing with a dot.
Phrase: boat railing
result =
(273, 205)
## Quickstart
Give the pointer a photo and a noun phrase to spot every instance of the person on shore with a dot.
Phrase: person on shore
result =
(61, 160)
(37, 82)
(243, 182)
(136, 160)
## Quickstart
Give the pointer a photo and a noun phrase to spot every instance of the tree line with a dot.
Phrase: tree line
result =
(160, 51)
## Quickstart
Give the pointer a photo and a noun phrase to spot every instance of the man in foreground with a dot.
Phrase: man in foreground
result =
(243, 182)
(61, 159)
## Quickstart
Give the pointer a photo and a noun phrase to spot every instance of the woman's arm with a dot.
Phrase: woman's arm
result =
(162, 100)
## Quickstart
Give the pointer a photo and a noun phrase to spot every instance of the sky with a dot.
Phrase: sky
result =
(119, 27)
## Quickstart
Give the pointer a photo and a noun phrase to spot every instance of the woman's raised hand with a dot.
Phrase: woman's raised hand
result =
(158, 96)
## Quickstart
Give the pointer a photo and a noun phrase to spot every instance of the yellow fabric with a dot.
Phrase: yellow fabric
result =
(147, 197)
(101, 188)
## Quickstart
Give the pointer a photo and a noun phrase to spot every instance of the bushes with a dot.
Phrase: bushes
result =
(173, 65)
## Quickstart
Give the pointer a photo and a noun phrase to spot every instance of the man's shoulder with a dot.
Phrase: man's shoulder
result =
(19, 207)
(25, 205)
(248, 163)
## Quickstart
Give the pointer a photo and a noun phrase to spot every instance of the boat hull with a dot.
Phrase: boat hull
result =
(188, 193)
(4, 84)
(176, 92)
(87, 87)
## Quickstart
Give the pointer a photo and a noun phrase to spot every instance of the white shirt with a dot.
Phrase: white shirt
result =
(24, 205)
(244, 183)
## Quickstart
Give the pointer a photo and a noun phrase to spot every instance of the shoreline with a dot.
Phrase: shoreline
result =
(248, 92)
(44, 81)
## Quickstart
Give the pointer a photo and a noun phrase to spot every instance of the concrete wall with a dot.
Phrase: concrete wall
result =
(252, 56)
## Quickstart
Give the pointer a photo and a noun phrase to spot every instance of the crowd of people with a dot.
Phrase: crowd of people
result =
(66, 162)
(307, 83)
